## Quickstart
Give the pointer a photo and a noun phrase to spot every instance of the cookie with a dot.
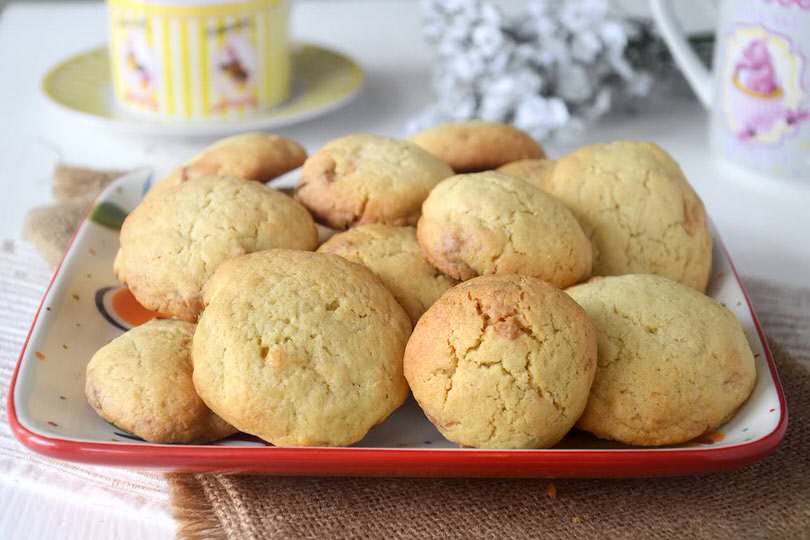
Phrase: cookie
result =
(493, 223)
(673, 363)
(172, 243)
(300, 349)
(393, 254)
(535, 171)
(476, 146)
(141, 382)
(638, 209)
(250, 156)
(363, 178)
(502, 362)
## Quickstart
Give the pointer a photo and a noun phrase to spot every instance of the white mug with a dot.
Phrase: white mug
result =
(759, 93)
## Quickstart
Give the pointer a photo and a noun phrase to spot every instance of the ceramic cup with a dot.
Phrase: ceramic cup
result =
(758, 95)
(199, 59)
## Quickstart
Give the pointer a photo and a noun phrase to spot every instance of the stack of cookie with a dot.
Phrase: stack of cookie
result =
(460, 267)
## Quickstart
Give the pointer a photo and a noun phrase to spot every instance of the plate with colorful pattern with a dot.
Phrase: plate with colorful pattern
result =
(85, 307)
(323, 80)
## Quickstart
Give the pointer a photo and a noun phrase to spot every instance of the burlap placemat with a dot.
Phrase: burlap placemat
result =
(769, 499)
(50, 227)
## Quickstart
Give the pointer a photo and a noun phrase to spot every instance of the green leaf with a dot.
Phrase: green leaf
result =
(108, 215)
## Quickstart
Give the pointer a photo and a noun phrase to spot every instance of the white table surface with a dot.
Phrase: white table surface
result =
(765, 224)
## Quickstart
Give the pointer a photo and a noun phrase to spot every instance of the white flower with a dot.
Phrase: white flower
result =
(570, 133)
(445, 83)
(495, 108)
(490, 15)
(537, 111)
(557, 66)
(448, 49)
(514, 84)
(586, 46)
(528, 81)
(553, 51)
(500, 87)
(573, 83)
(613, 35)
(467, 67)
(620, 64)
(462, 108)
(526, 53)
(431, 9)
(543, 27)
(537, 9)
(456, 33)
(578, 15)
(500, 62)
(460, 8)
(487, 40)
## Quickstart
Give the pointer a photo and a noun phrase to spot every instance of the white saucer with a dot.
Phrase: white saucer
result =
(323, 81)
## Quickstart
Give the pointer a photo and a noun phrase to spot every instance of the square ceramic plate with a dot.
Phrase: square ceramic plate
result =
(85, 307)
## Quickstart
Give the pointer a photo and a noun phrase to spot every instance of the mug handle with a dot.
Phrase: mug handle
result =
(699, 78)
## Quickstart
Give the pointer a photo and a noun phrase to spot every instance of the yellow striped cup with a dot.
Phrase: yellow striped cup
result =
(198, 59)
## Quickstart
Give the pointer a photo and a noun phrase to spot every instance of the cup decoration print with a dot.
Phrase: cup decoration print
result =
(197, 60)
(762, 78)
(764, 101)
(759, 93)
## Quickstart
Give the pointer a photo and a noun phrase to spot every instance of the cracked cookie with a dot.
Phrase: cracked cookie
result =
(170, 245)
(475, 145)
(250, 156)
(393, 254)
(299, 348)
(141, 382)
(502, 362)
(365, 178)
(535, 171)
(493, 223)
(638, 209)
(673, 363)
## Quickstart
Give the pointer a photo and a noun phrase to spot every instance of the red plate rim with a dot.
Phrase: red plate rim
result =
(352, 461)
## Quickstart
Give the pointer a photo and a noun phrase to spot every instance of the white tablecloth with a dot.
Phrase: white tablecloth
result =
(138, 496)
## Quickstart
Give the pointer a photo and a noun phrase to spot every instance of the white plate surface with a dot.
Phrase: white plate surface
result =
(72, 325)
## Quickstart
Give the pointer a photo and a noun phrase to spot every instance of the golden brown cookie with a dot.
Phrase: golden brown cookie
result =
(502, 362)
(535, 171)
(362, 178)
(478, 146)
(172, 243)
(673, 363)
(493, 223)
(393, 254)
(638, 209)
(300, 349)
(141, 382)
(250, 156)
